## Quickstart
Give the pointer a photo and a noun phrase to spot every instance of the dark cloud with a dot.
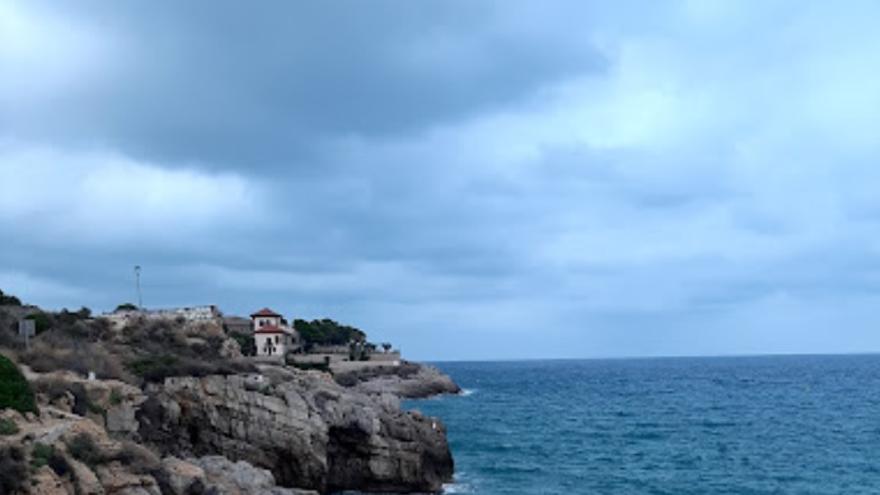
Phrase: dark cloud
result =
(577, 180)
(262, 85)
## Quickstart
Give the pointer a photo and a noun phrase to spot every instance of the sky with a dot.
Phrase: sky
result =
(466, 179)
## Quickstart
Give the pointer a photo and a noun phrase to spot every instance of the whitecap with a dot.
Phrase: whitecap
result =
(465, 392)
(457, 488)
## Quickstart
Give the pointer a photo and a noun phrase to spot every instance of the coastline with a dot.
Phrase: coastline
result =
(201, 416)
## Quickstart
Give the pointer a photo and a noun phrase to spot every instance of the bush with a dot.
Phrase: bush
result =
(137, 458)
(15, 391)
(245, 343)
(327, 332)
(150, 367)
(84, 449)
(46, 455)
(62, 353)
(126, 307)
(13, 470)
(155, 368)
(54, 389)
(40, 455)
(9, 300)
(8, 427)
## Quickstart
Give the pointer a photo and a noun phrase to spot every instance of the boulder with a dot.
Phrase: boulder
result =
(117, 479)
(182, 476)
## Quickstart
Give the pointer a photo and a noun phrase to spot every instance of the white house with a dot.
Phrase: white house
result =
(272, 337)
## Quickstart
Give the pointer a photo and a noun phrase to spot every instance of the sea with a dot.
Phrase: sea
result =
(720, 425)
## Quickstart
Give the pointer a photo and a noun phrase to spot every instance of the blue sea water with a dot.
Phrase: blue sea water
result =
(742, 425)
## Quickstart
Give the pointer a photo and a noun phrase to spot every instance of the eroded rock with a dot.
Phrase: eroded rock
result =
(307, 430)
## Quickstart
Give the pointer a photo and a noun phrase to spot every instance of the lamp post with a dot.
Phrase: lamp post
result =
(137, 286)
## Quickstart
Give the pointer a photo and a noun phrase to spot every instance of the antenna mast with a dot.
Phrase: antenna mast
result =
(137, 285)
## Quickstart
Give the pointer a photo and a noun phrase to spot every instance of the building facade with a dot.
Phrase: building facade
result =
(272, 337)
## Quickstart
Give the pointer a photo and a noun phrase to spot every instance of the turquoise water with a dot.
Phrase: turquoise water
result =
(751, 425)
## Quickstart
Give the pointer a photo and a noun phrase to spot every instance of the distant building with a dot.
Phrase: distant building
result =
(193, 314)
(272, 336)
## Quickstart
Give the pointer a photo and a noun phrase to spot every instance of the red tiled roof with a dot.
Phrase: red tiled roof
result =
(269, 329)
(265, 312)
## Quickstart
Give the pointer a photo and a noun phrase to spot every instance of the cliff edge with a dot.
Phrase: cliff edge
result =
(309, 431)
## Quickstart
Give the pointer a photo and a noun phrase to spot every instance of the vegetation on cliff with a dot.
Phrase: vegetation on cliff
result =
(347, 437)
(327, 332)
(9, 300)
(143, 351)
(15, 391)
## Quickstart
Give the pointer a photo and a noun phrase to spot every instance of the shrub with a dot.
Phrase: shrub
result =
(15, 392)
(156, 368)
(115, 397)
(40, 455)
(327, 332)
(138, 458)
(245, 343)
(9, 300)
(8, 427)
(83, 448)
(54, 389)
(13, 470)
(63, 353)
(46, 455)
(151, 366)
(126, 307)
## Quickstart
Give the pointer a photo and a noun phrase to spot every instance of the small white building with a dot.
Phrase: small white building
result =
(272, 337)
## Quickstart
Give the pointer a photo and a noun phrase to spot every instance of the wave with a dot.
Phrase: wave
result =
(457, 488)
(466, 392)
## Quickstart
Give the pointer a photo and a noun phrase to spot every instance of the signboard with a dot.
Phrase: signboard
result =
(27, 328)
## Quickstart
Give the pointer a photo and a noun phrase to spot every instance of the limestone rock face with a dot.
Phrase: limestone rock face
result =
(407, 380)
(219, 476)
(117, 479)
(181, 476)
(46, 482)
(307, 430)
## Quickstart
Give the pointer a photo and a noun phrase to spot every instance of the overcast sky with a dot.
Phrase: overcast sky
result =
(470, 180)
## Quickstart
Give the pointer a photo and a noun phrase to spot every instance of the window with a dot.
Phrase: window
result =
(277, 339)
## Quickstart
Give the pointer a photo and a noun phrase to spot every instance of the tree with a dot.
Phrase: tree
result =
(245, 343)
(327, 332)
(386, 346)
(9, 300)
(126, 307)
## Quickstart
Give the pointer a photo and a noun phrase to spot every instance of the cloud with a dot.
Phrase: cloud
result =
(590, 179)
(48, 291)
(105, 198)
(264, 84)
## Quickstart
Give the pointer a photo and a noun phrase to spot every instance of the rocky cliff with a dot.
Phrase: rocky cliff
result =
(309, 431)
(407, 380)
